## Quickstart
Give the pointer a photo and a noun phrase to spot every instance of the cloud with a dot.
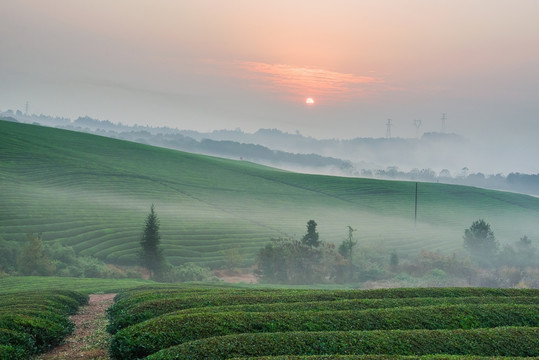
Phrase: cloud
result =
(306, 81)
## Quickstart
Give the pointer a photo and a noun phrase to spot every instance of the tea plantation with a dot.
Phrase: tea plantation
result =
(32, 322)
(255, 323)
(93, 193)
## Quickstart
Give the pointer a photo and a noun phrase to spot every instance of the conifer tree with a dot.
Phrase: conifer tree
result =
(151, 255)
(311, 238)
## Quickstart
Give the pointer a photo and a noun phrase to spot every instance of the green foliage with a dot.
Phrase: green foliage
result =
(188, 272)
(381, 357)
(289, 261)
(394, 261)
(33, 322)
(347, 246)
(14, 284)
(480, 241)
(151, 255)
(166, 331)
(311, 238)
(33, 260)
(8, 256)
(222, 323)
(85, 191)
(503, 341)
(361, 304)
(521, 254)
(141, 304)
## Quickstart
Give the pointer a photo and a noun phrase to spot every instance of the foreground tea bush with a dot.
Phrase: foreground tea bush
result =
(134, 308)
(33, 322)
(362, 304)
(507, 341)
(382, 357)
(153, 335)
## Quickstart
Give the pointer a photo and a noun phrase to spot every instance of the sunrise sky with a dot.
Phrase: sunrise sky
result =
(208, 65)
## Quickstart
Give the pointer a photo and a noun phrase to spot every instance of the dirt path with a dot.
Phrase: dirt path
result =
(90, 339)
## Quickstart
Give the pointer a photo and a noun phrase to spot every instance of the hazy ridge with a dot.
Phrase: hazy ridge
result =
(93, 193)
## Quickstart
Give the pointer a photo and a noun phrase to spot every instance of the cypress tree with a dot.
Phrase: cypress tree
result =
(151, 255)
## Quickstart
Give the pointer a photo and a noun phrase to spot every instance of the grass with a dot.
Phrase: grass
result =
(93, 193)
(14, 284)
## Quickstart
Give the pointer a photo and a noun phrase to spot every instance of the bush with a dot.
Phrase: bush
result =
(32, 322)
(360, 304)
(188, 272)
(10, 352)
(509, 341)
(21, 343)
(388, 357)
(153, 335)
(137, 307)
(46, 333)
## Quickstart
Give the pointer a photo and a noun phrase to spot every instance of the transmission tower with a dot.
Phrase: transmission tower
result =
(443, 122)
(417, 123)
(388, 129)
(26, 108)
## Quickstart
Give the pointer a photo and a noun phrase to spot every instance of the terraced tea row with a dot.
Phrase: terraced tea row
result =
(34, 321)
(477, 342)
(225, 323)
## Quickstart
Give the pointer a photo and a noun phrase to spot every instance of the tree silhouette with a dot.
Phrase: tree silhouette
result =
(479, 240)
(311, 238)
(151, 254)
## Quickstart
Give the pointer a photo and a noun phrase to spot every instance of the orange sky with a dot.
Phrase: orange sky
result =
(250, 64)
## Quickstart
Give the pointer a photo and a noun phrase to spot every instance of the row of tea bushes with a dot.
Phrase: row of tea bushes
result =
(505, 341)
(188, 323)
(146, 304)
(382, 357)
(31, 322)
(148, 337)
(363, 304)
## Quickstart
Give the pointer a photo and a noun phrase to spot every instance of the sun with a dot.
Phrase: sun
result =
(309, 101)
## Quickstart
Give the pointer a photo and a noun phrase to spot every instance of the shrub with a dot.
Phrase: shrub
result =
(45, 332)
(153, 335)
(136, 308)
(188, 272)
(22, 344)
(381, 357)
(360, 304)
(510, 341)
(32, 322)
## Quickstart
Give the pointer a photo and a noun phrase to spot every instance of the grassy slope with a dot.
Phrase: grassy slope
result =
(94, 193)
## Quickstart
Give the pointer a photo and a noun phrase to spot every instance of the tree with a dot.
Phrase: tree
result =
(345, 249)
(479, 240)
(311, 238)
(394, 261)
(151, 255)
(33, 260)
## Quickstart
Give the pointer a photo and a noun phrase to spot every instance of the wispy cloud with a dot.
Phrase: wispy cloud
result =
(306, 81)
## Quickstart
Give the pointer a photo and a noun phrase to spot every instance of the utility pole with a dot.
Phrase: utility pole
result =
(415, 217)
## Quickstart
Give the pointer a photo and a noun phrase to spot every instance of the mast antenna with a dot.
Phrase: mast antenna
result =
(388, 129)
(443, 122)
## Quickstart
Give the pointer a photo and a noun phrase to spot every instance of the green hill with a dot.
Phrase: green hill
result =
(94, 193)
